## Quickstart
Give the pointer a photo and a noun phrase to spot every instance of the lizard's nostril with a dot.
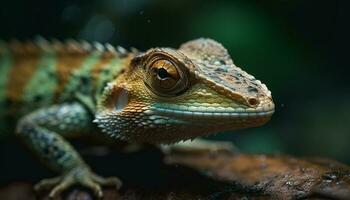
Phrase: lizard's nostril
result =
(253, 101)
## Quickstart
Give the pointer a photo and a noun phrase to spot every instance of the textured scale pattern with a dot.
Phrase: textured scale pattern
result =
(41, 73)
(215, 66)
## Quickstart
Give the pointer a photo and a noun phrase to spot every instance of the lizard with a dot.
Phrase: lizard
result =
(52, 91)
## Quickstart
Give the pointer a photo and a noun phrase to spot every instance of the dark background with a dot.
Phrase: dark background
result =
(298, 48)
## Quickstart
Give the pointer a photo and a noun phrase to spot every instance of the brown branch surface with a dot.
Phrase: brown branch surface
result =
(222, 175)
(278, 177)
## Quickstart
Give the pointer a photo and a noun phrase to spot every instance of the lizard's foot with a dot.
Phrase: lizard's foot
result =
(82, 176)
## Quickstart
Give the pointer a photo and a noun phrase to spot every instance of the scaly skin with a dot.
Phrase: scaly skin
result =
(50, 91)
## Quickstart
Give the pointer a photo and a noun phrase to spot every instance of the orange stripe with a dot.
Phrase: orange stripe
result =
(66, 64)
(99, 66)
(20, 74)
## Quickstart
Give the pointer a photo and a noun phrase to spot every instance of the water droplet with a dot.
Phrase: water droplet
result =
(71, 13)
(289, 183)
(329, 176)
(99, 28)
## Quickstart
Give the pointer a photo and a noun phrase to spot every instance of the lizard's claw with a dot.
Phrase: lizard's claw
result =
(81, 176)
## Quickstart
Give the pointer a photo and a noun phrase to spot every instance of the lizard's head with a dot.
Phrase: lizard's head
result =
(167, 95)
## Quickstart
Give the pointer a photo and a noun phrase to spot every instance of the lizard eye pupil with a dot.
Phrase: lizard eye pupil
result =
(165, 77)
(162, 73)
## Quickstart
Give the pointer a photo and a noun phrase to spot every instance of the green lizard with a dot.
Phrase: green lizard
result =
(51, 91)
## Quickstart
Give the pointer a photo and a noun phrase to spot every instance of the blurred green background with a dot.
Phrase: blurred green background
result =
(298, 48)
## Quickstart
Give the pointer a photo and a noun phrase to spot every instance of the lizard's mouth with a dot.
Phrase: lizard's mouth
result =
(217, 112)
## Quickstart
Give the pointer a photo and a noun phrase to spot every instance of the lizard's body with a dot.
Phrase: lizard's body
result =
(36, 75)
(52, 91)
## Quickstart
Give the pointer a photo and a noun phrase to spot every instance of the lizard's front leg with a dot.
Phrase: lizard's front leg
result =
(44, 131)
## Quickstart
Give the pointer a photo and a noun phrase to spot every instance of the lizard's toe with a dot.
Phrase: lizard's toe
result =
(95, 187)
(109, 181)
(63, 185)
(46, 184)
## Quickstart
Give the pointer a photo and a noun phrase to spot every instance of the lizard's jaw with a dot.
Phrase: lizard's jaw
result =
(217, 113)
(190, 122)
(212, 114)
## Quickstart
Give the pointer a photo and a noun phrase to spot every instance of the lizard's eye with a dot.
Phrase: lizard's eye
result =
(165, 78)
(164, 74)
